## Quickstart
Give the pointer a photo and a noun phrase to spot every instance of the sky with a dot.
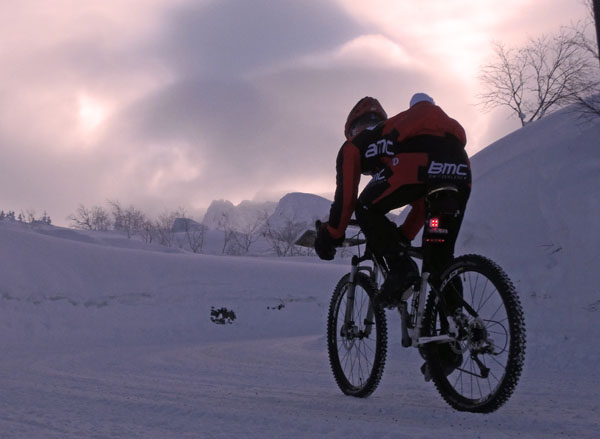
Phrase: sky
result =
(164, 104)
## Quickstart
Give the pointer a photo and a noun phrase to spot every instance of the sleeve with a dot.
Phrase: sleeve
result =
(346, 192)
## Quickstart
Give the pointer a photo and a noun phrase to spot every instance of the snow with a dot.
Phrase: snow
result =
(107, 337)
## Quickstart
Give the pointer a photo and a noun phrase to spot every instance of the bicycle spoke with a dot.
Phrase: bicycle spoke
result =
(500, 306)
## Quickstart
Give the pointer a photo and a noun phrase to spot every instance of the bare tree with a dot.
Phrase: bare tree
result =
(164, 228)
(193, 232)
(148, 231)
(544, 75)
(82, 218)
(195, 237)
(588, 96)
(94, 218)
(282, 237)
(129, 220)
(100, 219)
(248, 235)
(224, 223)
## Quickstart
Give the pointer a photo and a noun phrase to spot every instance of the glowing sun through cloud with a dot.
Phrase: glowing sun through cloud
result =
(91, 114)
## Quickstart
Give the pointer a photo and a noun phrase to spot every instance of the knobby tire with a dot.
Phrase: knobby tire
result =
(357, 363)
(490, 292)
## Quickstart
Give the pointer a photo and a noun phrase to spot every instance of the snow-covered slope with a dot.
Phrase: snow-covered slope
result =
(533, 208)
(538, 187)
(108, 337)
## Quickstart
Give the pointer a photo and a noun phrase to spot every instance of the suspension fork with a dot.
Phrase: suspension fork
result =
(351, 290)
(350, 298)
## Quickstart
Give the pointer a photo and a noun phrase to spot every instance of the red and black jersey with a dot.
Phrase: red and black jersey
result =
(398, 152)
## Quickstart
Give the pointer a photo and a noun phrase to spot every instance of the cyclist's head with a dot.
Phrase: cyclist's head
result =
(367, 113)
(421, 97)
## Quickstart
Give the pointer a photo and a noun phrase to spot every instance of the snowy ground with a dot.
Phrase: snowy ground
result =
(122, 346)
(103, 337)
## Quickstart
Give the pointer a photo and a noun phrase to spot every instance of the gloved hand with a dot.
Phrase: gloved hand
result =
(324, 244)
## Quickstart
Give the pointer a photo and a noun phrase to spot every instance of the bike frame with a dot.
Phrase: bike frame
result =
(411, 321)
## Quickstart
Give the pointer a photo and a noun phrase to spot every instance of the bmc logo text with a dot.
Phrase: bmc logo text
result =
(381, 147)
(438, 168)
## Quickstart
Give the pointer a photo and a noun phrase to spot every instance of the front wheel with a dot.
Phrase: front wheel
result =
(480, 370)
(356, 337)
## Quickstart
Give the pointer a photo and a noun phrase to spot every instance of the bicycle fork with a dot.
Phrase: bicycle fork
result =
(350, 329)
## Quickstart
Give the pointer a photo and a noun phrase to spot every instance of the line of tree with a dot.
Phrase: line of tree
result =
(131, 221)
(28, 217)
(177, 229)
(547, 73)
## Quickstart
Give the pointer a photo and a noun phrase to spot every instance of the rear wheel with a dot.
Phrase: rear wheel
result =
(356, 337)
(478, 372)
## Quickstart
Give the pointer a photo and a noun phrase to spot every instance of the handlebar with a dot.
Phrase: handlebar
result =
(415, 252)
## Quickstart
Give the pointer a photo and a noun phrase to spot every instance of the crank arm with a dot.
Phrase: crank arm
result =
(435, 339)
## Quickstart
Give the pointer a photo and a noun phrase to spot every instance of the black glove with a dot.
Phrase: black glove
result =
(324, 244)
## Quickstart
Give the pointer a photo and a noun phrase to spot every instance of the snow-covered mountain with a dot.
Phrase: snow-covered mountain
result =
(108, 337)
(241, 218)
(300, 208)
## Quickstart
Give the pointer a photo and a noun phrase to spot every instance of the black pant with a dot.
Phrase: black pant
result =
(383, 236)
(438, 249)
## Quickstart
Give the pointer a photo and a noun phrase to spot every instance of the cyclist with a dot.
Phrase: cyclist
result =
(407, 155)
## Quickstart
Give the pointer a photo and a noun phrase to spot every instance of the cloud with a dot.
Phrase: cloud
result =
(261, 93)
(228, 38)
(222, 99)
(167, 103)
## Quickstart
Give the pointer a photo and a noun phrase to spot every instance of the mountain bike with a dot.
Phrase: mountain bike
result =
(467, 322)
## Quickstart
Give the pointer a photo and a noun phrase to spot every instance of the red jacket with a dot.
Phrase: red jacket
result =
(394, 145)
